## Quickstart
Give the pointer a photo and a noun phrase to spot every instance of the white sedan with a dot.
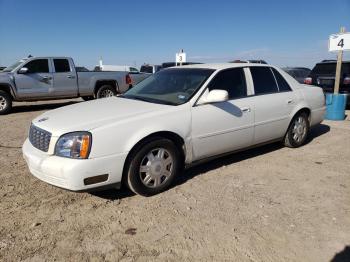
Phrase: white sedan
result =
(172, 119)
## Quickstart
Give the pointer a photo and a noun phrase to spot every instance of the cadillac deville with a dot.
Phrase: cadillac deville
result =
(174, 118)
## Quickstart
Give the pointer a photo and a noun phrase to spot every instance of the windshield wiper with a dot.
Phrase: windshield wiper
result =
(147, 99)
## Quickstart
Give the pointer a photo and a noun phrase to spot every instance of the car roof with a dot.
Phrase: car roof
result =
(220, 66)
(332, 62)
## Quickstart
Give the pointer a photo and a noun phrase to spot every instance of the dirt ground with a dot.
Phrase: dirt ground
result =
(266, 204)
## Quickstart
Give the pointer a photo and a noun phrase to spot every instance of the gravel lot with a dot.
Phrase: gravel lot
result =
(266, 204)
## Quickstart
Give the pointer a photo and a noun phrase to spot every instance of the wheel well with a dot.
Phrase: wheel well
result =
(305, 110)
(6, 88)
(178, 142)
(112, 83)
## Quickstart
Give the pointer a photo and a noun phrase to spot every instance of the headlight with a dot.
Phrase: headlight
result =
(74, 145)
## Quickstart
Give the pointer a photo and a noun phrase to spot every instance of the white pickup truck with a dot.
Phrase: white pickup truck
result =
(43, 78)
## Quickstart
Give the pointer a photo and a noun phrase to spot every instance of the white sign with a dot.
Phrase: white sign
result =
(180, 58)
(339, 42)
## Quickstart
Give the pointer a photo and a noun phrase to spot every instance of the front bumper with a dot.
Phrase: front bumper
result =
(70, 173)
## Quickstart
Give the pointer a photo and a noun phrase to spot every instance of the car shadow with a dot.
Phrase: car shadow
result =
(191, 172)
(342, 256)
(317, 131)
(113, 194)
(40, 107)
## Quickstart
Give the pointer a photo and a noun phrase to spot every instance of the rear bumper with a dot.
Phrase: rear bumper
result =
(70, 173)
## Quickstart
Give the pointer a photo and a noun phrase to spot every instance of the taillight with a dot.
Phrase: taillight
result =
(308, 81)
(347, 81)
(128, 80)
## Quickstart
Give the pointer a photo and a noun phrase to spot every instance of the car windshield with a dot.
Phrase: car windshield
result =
(11, 67)
(173, 86)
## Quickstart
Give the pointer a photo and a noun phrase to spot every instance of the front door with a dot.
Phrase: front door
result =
(37, 82)
(225, 126)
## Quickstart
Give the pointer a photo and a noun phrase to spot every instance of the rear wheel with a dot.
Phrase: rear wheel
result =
(106, 91)
(5, 103)
(298, 131)
(153, 167)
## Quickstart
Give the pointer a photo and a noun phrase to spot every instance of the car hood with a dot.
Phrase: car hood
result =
(86, 116)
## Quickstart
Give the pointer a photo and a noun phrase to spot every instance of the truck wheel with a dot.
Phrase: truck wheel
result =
(5, 103)
(106, 91)
(153, 167)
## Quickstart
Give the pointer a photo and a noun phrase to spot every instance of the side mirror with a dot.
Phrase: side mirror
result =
(214, 96)
(23, 70)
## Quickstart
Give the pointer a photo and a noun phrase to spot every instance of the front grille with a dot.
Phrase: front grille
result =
(39, 138)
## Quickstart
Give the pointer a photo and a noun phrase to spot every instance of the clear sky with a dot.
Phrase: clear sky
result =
(285, 33)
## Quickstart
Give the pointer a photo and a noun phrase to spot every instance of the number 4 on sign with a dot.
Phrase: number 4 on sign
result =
(341, 43)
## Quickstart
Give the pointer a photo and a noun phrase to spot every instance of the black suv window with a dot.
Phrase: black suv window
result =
(146, 69)
(282, 83)
(324, 69)
(38, 66)
(232, 80)
(264, 81)
(61, 65)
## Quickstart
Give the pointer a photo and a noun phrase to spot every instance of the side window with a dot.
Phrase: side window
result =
(232, 80)
(61, 65)
(133, 70)
(264, 81)
(283, 86)
(38, 66)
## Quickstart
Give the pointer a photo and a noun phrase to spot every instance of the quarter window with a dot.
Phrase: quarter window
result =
(232, 80)
(264, 81)
(61, 65)
(38, 66)
(282, 83)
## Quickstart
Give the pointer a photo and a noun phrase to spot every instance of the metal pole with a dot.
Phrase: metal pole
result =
(339, 64)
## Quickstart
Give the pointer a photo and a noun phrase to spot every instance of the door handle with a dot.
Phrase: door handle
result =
(46, 78)
(70, 76)
(245, 109)
(290, 101)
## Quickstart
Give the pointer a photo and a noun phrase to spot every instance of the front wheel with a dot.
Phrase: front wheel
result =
(298, 131)
(5, 103)
(153, 167)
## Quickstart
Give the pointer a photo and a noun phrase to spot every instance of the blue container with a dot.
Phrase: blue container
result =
(335, 106)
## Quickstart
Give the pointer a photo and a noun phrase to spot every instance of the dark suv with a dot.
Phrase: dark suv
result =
(323, 75)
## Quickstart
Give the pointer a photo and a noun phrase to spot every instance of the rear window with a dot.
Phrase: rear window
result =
(264, 81)
(146, 69)
(329, 69)
(282, 83)
(61, 65)
(324, 69)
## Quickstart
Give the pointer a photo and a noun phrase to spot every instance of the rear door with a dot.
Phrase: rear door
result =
(225, 126)
(37, 82)
(274, 101)
(64, 78)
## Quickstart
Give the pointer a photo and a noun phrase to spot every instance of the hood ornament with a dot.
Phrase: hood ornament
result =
(43, 119)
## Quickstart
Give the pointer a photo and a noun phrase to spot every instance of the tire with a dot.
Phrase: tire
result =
(106, 91)
(5, 102)
(87, 98)
(298, 131)
(153, 167)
